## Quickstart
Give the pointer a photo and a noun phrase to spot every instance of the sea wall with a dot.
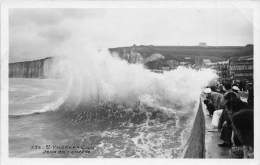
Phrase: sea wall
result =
(195, 147)
(31, 69)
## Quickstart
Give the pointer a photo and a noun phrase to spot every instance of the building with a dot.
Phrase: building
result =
(241, 68)
(221, 67)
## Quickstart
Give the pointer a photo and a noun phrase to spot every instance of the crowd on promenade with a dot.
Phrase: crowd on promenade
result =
(231, 109)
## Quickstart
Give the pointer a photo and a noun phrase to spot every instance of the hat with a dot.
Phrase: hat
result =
(207, 90)
(235, 88)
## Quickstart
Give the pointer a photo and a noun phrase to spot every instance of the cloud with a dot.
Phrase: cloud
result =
(43, 32)
(41, 17)
(55, 35)
(48, 17)
(36, 33)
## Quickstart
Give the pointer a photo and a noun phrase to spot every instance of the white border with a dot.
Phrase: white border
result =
(121, 4)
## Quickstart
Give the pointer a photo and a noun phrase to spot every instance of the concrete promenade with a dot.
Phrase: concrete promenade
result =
(212, 140)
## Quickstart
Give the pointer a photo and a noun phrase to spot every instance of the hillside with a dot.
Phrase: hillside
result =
(214, 53)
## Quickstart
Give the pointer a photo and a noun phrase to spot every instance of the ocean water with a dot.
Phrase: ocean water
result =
(39, 125)
(27, 96)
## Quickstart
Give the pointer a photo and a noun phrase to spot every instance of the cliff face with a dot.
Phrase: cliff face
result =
(31, 69)
(130, 55)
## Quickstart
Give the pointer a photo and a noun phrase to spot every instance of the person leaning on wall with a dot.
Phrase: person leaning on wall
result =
(213, 101)
(232, 105)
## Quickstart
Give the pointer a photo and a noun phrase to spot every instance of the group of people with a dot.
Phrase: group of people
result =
(235, 122)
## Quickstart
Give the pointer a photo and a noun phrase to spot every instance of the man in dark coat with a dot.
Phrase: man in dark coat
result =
(232, 105)
(243, 122)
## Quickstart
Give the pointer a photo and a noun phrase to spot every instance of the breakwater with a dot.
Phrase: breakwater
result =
(195, 147)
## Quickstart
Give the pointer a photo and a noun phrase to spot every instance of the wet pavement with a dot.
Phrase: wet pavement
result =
(212, 140)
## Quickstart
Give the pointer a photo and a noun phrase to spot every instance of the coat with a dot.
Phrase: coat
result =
(217, 100)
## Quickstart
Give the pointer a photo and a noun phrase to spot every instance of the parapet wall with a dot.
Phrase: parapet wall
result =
(195, 147)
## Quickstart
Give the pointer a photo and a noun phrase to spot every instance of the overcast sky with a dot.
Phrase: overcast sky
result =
(37, 33)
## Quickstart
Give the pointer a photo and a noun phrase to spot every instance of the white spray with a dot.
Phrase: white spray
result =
(97, 76)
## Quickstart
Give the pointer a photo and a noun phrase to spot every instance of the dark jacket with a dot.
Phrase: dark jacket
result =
(244, 123)
(231, 107)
